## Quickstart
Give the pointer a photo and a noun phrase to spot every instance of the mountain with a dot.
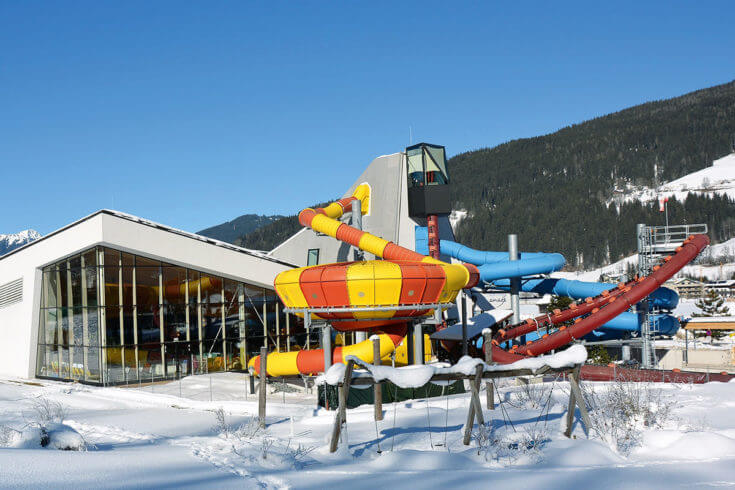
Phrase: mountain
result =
(11, 242)
(238, 227)
(273, 234)
(558, 191)
(581, 190)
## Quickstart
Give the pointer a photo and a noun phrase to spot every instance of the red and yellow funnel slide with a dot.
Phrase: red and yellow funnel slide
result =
(369, 289)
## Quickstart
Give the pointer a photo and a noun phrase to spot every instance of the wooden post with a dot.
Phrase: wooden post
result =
(261, 386)
(341, 415)
(377, 387)
(574, 384)
(475, 406)
(570, 411)
(489, 385)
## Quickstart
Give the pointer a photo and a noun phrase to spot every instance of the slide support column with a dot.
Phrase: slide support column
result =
(515, 284)
(327, 346)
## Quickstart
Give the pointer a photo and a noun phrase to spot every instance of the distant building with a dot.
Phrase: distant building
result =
(687, 288)
(723, 288)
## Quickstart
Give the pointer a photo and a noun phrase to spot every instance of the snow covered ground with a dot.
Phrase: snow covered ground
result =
(152, 437)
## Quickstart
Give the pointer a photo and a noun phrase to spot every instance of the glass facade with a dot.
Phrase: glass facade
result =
(427, 165)
(109, 317)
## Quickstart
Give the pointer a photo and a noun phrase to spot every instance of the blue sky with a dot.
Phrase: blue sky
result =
(192, 113)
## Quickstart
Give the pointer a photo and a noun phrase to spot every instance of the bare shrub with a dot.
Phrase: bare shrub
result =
(620, 411)
(532, 396)
(511, 447)
(265, 446)
(45, 412)
(221, 422)
(245, 431)
(8, 435)
(248, 430)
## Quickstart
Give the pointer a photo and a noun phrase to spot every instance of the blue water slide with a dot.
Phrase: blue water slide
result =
(494, 265)
(622, 325)
(496, 268)
(661, 298)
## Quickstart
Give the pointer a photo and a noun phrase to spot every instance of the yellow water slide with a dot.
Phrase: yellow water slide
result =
(372, 294)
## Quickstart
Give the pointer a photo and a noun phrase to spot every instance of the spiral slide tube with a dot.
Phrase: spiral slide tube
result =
(626, 296)
(368, 289)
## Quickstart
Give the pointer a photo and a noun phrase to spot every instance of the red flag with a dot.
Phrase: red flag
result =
(662, 203)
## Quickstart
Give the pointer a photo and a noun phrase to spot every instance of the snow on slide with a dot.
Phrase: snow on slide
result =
(418, 375)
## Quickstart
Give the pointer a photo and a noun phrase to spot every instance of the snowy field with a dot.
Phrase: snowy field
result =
(677, 436)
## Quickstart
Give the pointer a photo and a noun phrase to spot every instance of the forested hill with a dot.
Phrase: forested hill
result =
(269, 236)
(242, 225)
(554, 190)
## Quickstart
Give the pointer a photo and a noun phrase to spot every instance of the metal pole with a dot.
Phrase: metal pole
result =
(515, 284)
(410, 348)
(327, 346)
(464, 324)
(262, 386)
(356, 221)
(489, 388)
(377, 387)
(418, 344)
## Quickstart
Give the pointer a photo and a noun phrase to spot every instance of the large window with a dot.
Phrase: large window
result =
(110, 317)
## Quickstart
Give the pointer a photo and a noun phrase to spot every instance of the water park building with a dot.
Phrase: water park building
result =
(113, 298)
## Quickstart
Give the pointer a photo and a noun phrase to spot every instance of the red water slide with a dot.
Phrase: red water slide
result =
(600, 310)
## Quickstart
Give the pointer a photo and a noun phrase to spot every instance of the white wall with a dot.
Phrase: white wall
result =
(19, 322)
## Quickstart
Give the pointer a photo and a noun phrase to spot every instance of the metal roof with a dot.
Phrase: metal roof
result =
(153, 224)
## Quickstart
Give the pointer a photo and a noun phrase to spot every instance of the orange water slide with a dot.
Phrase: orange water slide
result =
(365, 295)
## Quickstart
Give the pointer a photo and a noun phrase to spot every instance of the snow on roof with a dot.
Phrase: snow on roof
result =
(712, 319)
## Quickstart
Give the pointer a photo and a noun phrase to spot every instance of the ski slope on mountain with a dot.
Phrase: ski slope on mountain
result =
(717, 179)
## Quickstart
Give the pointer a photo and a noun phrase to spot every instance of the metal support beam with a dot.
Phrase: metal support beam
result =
(465, 347)
(262, 386)
(489, 385)
(418, 343)
(515, 284)
(327, 346)
(356, 222)
(409, 348)
(377, 388)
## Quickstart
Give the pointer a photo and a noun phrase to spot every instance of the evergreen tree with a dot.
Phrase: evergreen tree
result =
(711, 305)
(558, 303)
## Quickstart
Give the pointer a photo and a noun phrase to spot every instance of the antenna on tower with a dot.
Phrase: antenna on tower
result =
(410, 135)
